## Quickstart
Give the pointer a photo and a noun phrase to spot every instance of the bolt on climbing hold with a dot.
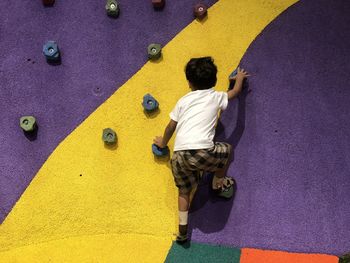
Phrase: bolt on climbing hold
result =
(149, 103)
(157, 151)
(48, 2)
(109, 136)
(112, 8)
(232, 81)
(154, 51)
(158, 4)
(200, 11)
(51, 51)
(28, 123)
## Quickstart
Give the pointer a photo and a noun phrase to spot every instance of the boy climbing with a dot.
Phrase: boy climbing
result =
(194, 118)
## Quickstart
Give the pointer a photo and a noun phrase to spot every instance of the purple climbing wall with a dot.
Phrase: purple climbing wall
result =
(291, 137)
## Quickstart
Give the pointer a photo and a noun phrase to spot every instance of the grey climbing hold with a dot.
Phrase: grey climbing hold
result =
(112, 8)
(154, 51)
(109, 136)
(51, 51)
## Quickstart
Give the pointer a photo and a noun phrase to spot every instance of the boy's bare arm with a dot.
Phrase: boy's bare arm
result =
(168, 133)
(241, 75)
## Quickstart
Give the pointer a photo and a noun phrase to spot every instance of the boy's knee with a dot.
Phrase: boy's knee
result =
(184, 193)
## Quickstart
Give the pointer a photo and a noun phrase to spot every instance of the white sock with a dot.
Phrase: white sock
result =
(183, 217)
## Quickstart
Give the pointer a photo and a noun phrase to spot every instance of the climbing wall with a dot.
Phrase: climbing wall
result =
(81, 201)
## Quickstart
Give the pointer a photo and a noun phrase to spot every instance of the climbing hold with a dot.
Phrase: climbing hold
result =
(51, 51)
(149, 103)
(109, 136)
(233, 74)
(200, 11)
(112, 8)
(48, 2)
(158, 4)
(160, 151)
(154, 51)
(233, 81)
(28, 123)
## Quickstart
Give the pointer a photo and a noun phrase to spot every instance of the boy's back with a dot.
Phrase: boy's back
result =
(196, 114)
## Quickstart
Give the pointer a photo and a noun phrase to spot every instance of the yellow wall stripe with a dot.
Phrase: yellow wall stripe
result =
(126, 191)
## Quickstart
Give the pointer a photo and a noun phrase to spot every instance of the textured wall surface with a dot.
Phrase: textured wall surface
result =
(99, 54)
(292, 139)
(91, 203)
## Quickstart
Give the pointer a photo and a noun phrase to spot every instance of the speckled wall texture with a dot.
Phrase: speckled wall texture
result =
(86, 202)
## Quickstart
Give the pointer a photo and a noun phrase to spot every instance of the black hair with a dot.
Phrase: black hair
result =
(201, 73)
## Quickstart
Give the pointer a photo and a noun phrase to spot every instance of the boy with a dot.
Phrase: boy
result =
(194, 118)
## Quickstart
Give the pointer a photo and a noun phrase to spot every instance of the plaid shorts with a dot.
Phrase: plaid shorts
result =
(187, 165)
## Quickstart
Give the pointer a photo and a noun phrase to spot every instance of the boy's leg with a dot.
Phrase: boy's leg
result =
(218, 179)
(184, 204)
(186, 180)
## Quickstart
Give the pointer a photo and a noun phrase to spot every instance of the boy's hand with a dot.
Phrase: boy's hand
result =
(238, 84)
(159, 141)
(241, 74)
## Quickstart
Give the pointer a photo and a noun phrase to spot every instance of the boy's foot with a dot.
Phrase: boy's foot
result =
(182, 236)
(224, 187)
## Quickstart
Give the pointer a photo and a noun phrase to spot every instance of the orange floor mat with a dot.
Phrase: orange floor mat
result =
(249, 255)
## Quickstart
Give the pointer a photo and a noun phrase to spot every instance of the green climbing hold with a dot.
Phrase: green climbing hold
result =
(28, 123)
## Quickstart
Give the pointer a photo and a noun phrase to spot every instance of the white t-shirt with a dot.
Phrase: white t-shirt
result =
(196, 114)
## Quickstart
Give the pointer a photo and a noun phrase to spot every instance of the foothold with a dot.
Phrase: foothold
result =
(149, 103)
(28, 123)
(160, 151)
(109, 136)
(48, 2)
(158, 4)
(112, 8)
(154, 51)
(51, 51)
(200, 11)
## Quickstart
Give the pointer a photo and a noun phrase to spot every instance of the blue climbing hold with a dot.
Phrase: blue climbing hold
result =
(232, 82)
(149, 103)
(160, 151)
(233, 74)
(51, 51)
